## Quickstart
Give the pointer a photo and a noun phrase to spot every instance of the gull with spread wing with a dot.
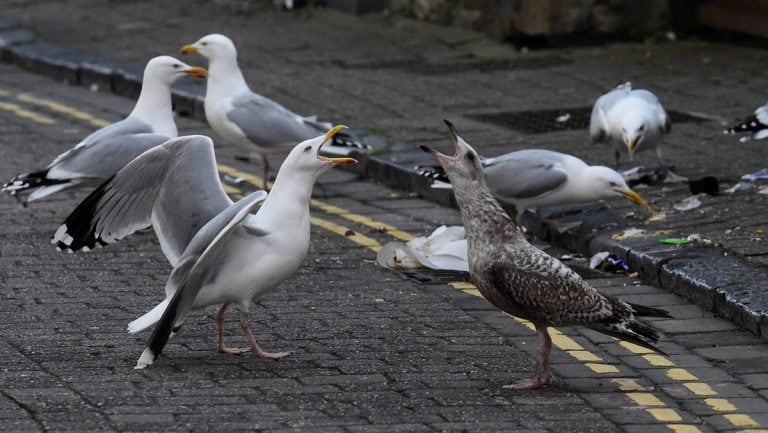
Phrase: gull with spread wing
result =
(221, 253)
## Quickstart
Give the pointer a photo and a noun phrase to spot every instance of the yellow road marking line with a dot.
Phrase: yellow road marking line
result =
(741, 420)
(26, 114)
(658, 360)
(699, 388)
(645, 399)
(371, 244)
(678, 374)
(63, 109)
(720, 404)
(683, 428)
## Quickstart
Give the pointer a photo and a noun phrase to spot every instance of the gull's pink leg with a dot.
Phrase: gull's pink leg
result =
(541, 374)
(256, 348)
(220, 332)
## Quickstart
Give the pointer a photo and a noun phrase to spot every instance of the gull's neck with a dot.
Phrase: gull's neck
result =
(154, 107)
(484, 219)
(288, 202)
(225, 78)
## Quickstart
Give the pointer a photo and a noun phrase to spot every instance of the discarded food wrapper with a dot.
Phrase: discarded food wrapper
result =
(740, 186)
(687, 204)
(707, 185)
(628, 233)
(564, 118)
(445, 248)
(758, 175)
(675, 241)
(608, 262)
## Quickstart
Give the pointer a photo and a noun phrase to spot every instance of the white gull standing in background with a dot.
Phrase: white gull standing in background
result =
(631, 120)
(253, 122)
(524, 281)
(538, 177)
(107, 150)
(221, 253)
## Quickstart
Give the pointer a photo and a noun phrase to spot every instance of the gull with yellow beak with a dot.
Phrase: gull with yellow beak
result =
(104, 152)
(631, 120)
(253, 122)
(221, 253)
(538, 177)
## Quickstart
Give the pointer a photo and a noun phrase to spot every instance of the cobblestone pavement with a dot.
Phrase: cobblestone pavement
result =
(373, 350)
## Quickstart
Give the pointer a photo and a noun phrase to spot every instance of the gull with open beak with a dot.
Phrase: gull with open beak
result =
(537, 177)
(522, 280)
(221, 253)
(104, 152)
(628, 119)
(253, 122)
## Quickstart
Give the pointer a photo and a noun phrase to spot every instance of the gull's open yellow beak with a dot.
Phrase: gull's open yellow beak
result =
(188, 49)
(328, 136)
(636, 199)
(197, 72)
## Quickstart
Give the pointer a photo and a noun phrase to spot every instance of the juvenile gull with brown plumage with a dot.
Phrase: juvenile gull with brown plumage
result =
(522, 280)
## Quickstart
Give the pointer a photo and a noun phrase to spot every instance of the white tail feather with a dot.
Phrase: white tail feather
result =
(150, 318)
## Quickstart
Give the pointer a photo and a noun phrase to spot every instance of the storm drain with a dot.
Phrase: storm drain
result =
(560, 119)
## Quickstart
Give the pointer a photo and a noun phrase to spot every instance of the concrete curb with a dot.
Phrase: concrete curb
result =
(728, 286)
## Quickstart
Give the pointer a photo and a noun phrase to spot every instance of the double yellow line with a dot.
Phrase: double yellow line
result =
(654, 406)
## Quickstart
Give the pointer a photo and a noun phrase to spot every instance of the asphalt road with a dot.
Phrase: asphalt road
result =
(374, 350)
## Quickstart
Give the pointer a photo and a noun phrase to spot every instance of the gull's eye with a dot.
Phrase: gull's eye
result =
(203, 43)
(176, 66)
(470, 156)
(641, 127)
(307, 149)
(613, 184)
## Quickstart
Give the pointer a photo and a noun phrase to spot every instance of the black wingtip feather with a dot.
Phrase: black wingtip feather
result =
(26, 181)
(81, 223)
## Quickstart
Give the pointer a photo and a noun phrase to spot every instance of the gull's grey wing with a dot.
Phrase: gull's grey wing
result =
(199, 265)
(174, 187)
(104, 157)
(268, 124)
(524, 174)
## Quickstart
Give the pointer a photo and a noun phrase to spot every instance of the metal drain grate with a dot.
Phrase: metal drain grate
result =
(560, 119)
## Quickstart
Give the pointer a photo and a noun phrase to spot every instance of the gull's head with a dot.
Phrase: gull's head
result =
(167, 69)
(633, 130)
(605, 183)
(212, 47)
(307, 156)
(464, 166)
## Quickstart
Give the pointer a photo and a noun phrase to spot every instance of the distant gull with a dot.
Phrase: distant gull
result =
(537, 177)
(628, 119)
(756, 125)
(522, 280)
(249, 120)
(220, 252)
(104, 152)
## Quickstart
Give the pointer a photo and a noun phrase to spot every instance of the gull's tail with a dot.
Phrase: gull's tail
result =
(149, 318)
(752, 125)
(36, 179)
(432, 171)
